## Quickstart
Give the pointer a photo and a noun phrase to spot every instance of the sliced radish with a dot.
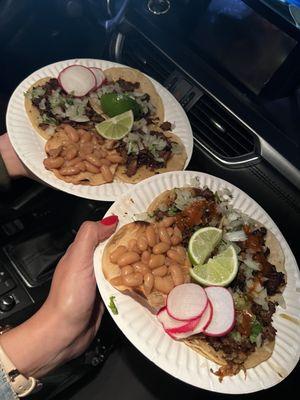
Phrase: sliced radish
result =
(99, 75)
(205, 319)
(186, 301)
(223, 318)
(77, 80)
(202, 323)
(174, 325)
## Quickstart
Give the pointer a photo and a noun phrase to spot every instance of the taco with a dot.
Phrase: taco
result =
(149, 154)
(257, 288)
(138, 86)
(48, 106)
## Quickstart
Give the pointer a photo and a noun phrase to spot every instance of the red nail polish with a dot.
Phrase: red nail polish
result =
(111, 220)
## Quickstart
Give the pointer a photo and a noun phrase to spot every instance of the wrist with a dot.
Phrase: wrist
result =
(37, 346)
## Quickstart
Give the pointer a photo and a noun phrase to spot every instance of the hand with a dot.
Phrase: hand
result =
(14, 166)
(69, 319)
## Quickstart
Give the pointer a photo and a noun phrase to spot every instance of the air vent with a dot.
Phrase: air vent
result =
(219, 130)
(214, 127)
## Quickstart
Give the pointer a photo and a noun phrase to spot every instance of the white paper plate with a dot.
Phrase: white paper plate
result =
(143, 330)
(30, 146)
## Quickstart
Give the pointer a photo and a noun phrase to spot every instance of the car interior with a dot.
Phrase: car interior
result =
(233, 65)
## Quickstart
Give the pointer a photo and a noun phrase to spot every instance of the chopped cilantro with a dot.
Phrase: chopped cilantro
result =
(256, 328)
(112, 305)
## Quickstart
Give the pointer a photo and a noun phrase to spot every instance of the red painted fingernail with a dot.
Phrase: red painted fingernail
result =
(111, 220)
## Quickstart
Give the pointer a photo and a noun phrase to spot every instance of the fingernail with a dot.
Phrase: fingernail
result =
(111, 220)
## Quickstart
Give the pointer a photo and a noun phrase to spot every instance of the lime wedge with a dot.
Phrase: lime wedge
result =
(117, 127)
(117, 103)
(202, 243)
(219, 270)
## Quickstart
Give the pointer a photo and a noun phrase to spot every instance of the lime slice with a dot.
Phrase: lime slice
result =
(117, 127)
(202, 243)
(219, 270)
(115, 103)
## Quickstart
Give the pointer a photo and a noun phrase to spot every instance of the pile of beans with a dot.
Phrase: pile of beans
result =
(154, 261)
(83, 151)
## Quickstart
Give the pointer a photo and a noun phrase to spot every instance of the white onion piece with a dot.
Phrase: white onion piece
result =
(235, 236)
(77, 80)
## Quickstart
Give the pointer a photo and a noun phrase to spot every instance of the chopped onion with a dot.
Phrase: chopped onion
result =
(251, 263)
(141, 217)
(235, 236)
(259, 340)
(262, 299)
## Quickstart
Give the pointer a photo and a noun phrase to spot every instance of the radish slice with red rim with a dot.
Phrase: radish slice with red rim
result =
(187, 301)
(205, 319)
(223, 318)
(201, 324)
(99, 75)
(77, 80)
(174, 325)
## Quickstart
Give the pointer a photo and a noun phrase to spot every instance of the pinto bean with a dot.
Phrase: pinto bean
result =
(101, 153)
(129, 257)
(175, 256)
(69, 171)
(168, 221)
(93, 159)
(156, 260)
(117, 281)
(160, 271)
(51, 163)
(148, 283)
(105, 161)
(170, 231)
(132, 245)
(181, 250)
(91, 168)
(161, 248)
(177, 231)
(97, 140)
(85, 136)
(72, 133)
(86, 148)
(163, 235)
(163, 284)
(82, 166)
(115, 158)
(176, 274)
(146, 257)
(106, 173)
(117, 253)
(128, 269)
(142, 243)
(132, 280)
(151, 235)
(70, 163)
(175, 240)
(168, 261)
(70, 153)
(55, 152)
(110, 144)
(140, 267)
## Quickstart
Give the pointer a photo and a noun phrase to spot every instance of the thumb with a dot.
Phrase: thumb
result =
(89, 236)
